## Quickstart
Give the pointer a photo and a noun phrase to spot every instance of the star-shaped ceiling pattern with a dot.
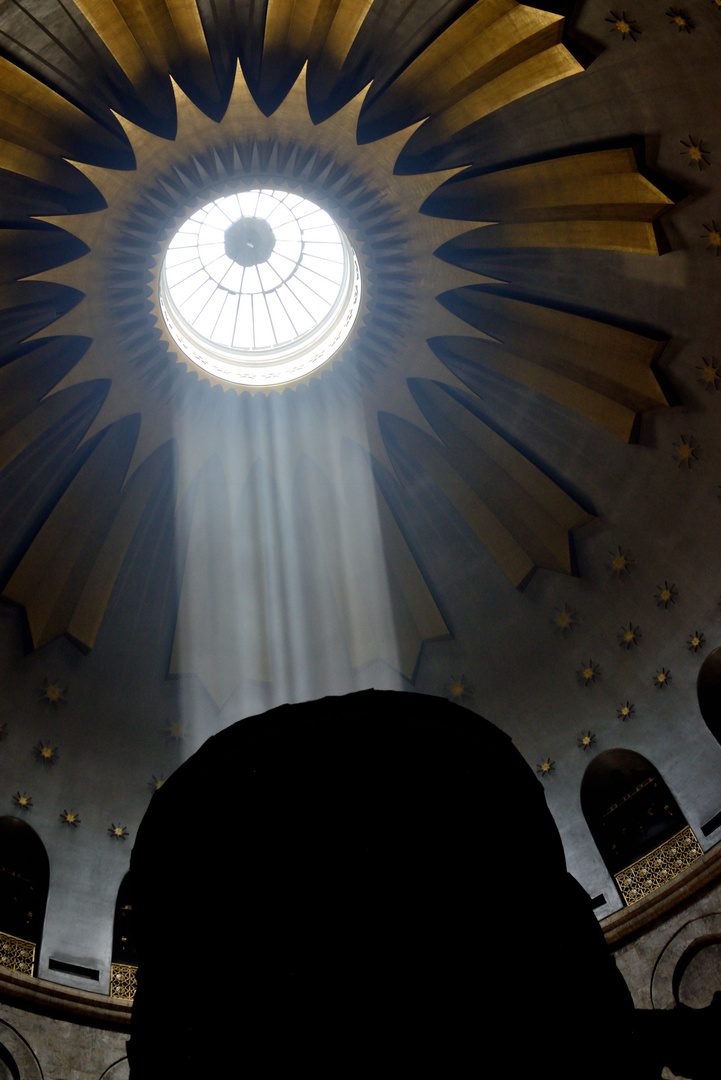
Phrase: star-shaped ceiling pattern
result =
(112, 144)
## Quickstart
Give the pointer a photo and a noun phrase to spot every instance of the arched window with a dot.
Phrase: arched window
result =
(124, 957)
(24, 874)
(708, 688)
(124, 951)
(639, 829)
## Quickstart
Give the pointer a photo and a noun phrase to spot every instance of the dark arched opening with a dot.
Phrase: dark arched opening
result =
(640, 831)
(124, 951)
(708, 688)
(24, 875)
(124, 956)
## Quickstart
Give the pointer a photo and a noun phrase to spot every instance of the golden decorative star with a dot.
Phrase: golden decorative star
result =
(678, 17)
(686, 452)
(24, 802)
(714, 237)
(589, 673)
(624, 712)
(44, 753)
(662, 678)
(666, 596)
(625, 26)
(545, 768)
(621, 562)
(629, 636)
(53, 693)
(586, 740)
(710, 373)
(118, 832)
(696, 641)
(696, 152)
(564, 619)
(459, 689)
(69, 817)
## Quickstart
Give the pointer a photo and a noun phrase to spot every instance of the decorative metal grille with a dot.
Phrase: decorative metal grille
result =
(16, 954)
(123, 980)
(661, 865)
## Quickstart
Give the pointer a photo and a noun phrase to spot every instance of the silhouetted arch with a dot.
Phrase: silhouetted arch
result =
(24, 875)
(708, 688)
(628, 807)
(124, 951)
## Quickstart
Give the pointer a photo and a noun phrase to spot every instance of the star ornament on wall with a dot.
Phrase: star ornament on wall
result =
(621, 562)
(458, 689)
(45, 753)
(69, 817)
(624, 25)
(53, 693)
(713, 237)
(589, 674)
(22, 800)
(564, 619)
(404, 384)
(680, 18)
(629, 636)
(709, 373)
(696, 152)
(662, 678)
(666, 595)
(626, 710)
(686, 452)
(118, 832)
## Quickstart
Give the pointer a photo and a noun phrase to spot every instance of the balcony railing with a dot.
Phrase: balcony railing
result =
(660, 865)
(17, 954)
(123, 981)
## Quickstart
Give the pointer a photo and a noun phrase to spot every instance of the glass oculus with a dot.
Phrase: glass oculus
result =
(260, 288)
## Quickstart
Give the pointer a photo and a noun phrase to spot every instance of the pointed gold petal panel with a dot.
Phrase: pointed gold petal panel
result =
(603, 359)
(334, 33)
(547, 67)
(51, 578)
(128, 30)
(37, 118)
(53, 173)
(136, 497)
(416, 617)
(153, 37)
(521, 516)
(473, 60)
(415, 613)
(464, 354)
(598, 200)
(320, 30)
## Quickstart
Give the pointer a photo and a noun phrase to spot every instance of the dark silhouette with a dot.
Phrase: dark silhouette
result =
(371, 885)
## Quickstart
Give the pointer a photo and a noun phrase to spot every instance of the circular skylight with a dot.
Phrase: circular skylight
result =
(260, 288)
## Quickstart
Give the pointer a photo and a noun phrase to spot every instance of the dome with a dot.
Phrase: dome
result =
(489, 475)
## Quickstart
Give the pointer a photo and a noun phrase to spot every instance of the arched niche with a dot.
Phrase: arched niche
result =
(631, 814)
(124, 951)
(24, 875)
(708, 688)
